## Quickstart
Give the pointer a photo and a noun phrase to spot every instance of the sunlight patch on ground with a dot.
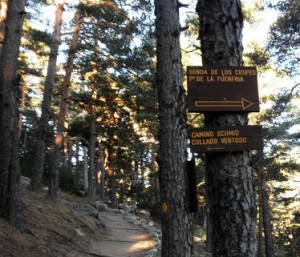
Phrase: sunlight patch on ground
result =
(142, 244)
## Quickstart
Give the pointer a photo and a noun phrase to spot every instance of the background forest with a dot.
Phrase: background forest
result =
(89, 113)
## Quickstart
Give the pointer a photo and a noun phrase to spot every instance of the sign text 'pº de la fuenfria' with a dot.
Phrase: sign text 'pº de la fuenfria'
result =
(223, 139)
(222, 89)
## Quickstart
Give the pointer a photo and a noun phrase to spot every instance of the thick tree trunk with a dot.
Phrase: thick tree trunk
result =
(231, 196)
(10, 188)
(176, 219)
(65, 90)
(39, 157)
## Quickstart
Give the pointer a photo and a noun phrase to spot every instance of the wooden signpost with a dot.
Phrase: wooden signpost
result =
(229, 89)
(226, 139)
(232, 89)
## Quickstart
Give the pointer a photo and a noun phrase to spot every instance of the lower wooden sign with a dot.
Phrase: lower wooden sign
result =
(226, 139)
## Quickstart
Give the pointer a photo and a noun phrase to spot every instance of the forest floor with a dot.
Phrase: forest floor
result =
(59, 230)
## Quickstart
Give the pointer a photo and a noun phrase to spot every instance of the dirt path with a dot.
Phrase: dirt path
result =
(123, 239)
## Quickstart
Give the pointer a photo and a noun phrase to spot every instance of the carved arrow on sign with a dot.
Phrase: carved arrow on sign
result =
(243, 103)
(210, 148)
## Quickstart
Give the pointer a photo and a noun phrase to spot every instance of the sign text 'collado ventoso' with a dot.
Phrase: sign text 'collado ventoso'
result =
(226, 138)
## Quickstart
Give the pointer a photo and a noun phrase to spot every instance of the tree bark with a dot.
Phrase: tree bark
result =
(65, 91)
(208, 243)
(111, 173)
(102, 171)
(92, 149)
(85, 170)
(39, 156)
(10, 187)
(77, 170)
(22, 105)
(260, 222)
(231, 196)
(265, 212)
(176, 219)
(3, 17)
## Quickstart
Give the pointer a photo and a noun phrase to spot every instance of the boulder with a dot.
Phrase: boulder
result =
(101, 206)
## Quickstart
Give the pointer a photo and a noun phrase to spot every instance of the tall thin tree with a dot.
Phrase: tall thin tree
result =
(176, 219)
(231, 196)
(38, 167)
(265, 216)
(92, 145)
(65, 91)
(10, 187)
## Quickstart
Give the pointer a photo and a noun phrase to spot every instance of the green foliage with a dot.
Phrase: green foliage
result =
(280, 163)
(251, 11)
(258, 57)
(199, 232)
(192, 23)
(284, 43)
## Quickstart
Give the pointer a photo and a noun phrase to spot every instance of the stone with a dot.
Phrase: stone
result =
(101, 206)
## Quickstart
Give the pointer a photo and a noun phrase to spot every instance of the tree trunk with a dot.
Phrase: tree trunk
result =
(22, 106)
(3, 17)
(267, 222)
(142, 176)
(111, 174)
(92, 151)
(10, 188)
(231, 196)
(265, 212)
(85, 170)
(65, 90)
(102, 171)
(154, 180)
(69, 153)
(77, 166)
(260, 222)
(176, 218)
(39, 156)
(135, 171)
(208, 222)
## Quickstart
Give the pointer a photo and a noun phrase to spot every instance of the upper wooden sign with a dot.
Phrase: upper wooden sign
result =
(229, 89)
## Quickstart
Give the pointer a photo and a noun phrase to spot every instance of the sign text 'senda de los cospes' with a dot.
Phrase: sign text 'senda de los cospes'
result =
(213, 75)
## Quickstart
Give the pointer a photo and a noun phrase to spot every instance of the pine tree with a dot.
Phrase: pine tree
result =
(10, 188)
(65, 91)
(38, 168)
(231, 196)
(176, 219)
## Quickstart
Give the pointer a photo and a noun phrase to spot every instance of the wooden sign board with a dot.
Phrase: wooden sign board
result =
(215, 89)
(225, 139)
